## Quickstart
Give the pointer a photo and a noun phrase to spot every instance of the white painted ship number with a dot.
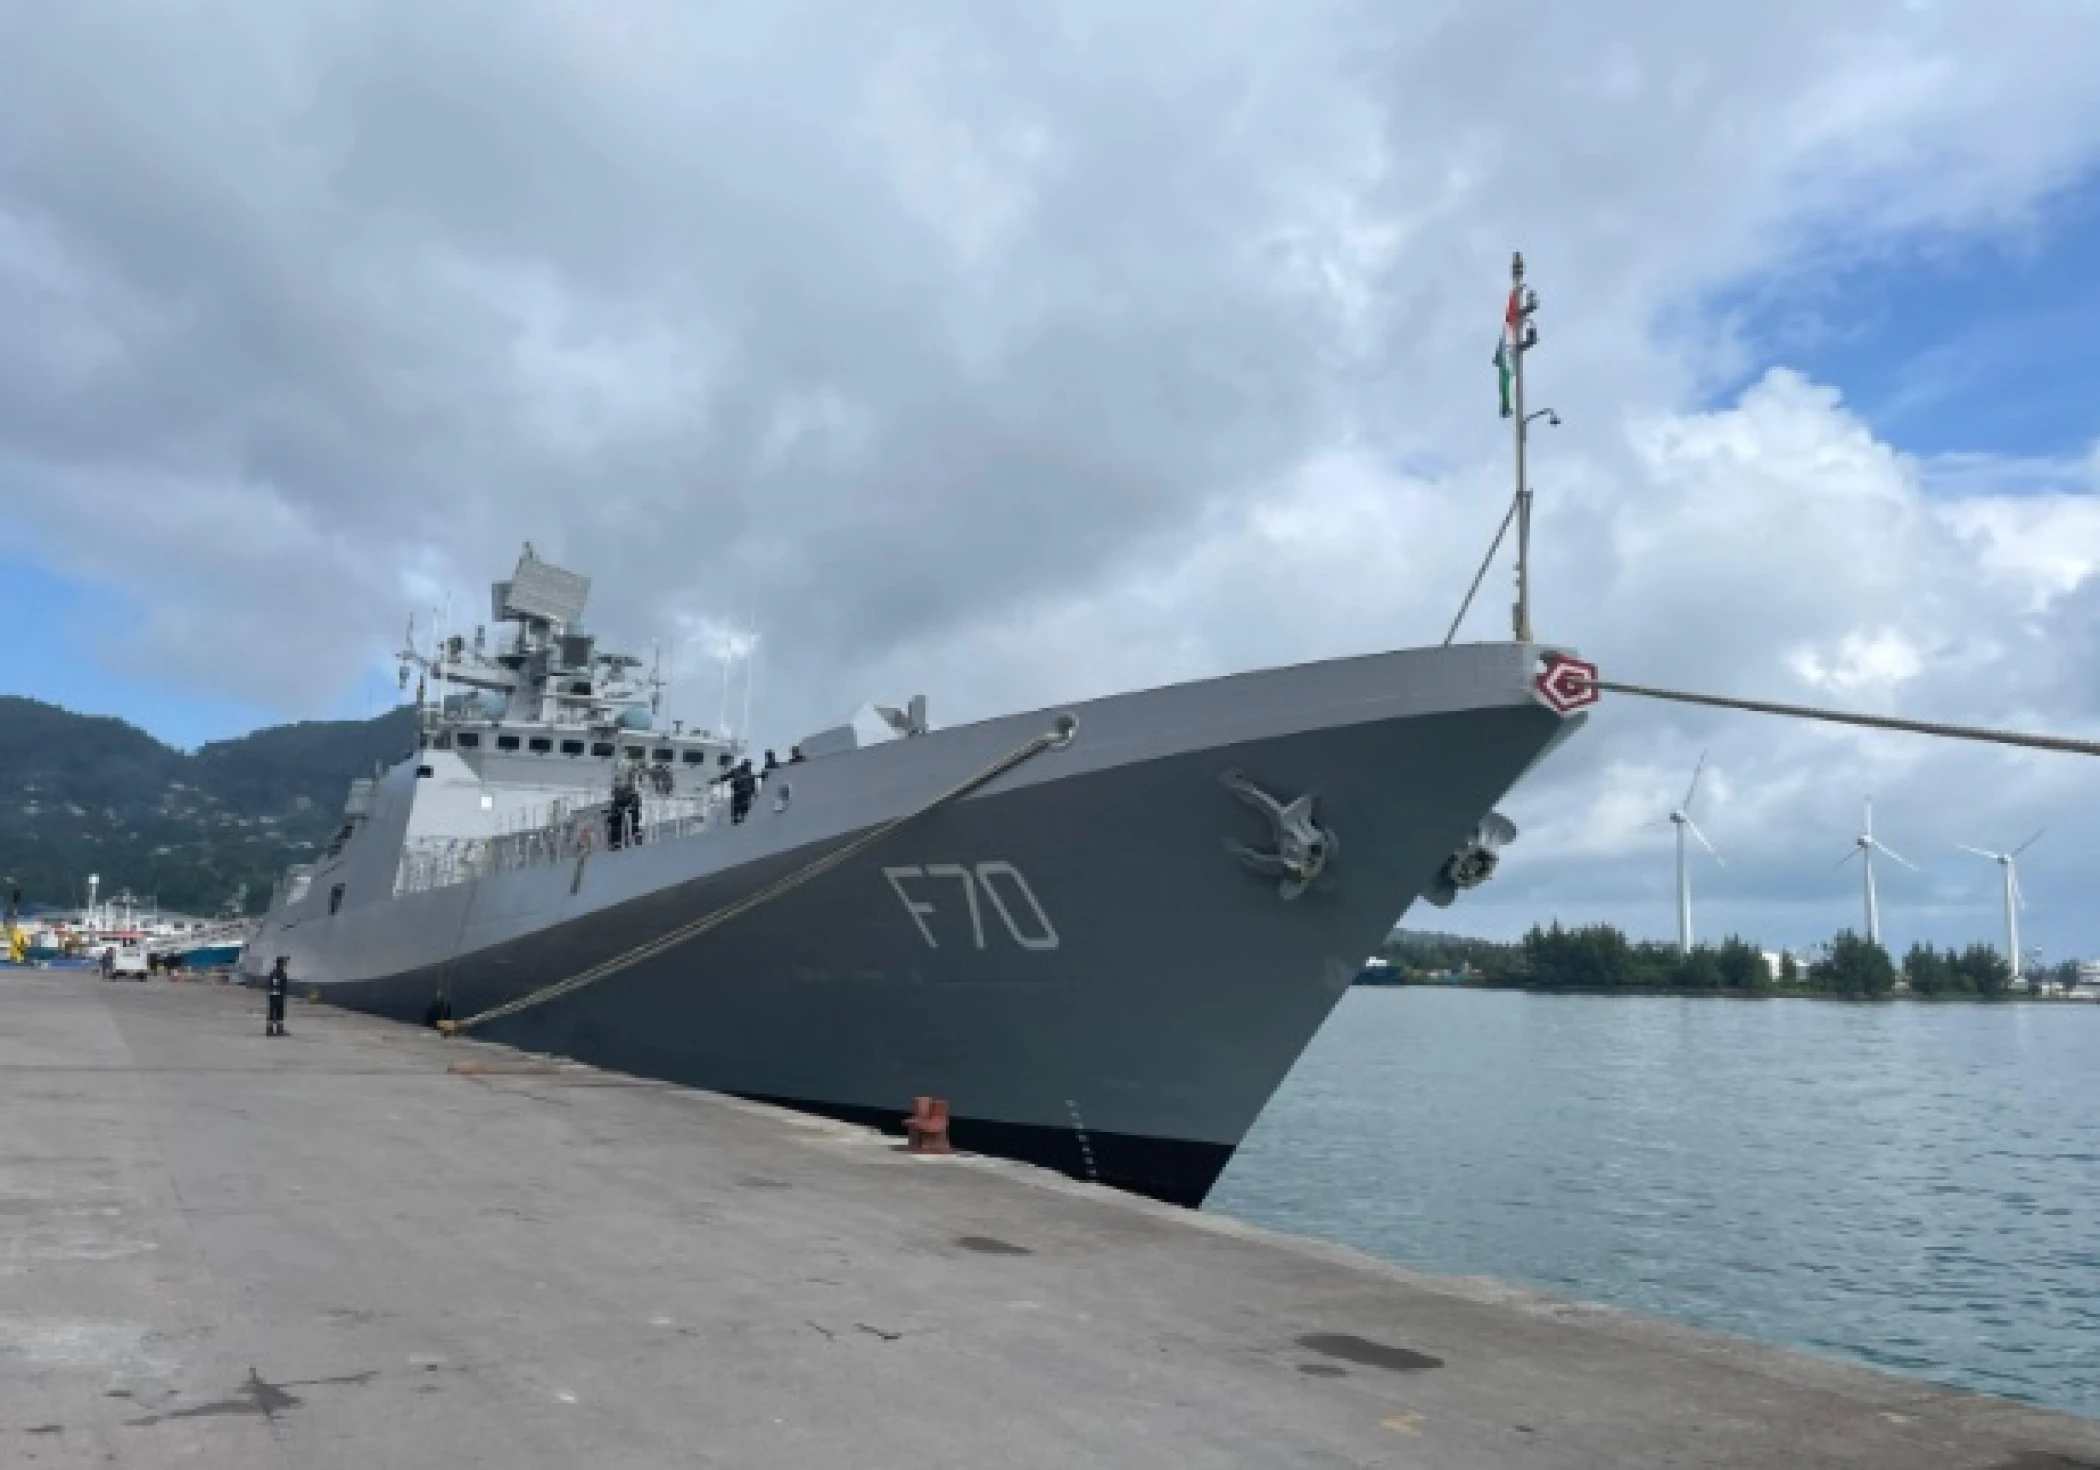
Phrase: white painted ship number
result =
(1001, 882)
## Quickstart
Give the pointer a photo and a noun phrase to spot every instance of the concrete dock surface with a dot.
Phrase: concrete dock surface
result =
(362, 1245)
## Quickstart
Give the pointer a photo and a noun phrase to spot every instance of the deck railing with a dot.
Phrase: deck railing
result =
(544, 836)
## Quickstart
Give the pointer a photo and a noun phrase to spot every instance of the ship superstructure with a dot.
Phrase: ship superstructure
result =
(533, 741)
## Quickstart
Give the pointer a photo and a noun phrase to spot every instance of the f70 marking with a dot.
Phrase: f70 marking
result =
(999, 881)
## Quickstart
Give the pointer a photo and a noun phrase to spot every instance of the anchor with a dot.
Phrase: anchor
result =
(1474, 862)
(1303, 846)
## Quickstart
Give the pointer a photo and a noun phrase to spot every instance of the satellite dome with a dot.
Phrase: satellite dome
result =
(635, 719)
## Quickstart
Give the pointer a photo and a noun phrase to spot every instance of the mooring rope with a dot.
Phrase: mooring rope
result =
(1053, 739)
(2060, 743)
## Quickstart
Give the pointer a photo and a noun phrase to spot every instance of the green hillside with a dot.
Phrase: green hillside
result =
(83, 794)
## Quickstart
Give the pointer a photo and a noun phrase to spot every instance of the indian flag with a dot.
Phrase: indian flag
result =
(1506, 347)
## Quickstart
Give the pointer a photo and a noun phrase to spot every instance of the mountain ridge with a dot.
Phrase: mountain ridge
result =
(82, 794)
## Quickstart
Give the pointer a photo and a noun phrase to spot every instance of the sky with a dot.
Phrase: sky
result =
(1014, 356)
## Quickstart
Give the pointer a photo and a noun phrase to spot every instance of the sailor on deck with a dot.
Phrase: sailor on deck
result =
(623, 819)
(743, 785)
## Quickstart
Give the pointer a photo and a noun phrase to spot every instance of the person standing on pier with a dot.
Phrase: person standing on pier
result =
(280, 986)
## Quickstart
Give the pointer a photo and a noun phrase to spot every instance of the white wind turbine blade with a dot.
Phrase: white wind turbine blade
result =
(1693, 789)
(1704, 843)
(1848, 857)
(1868, 805)
(1886, 851)
(2028, 843)
(1977, 850)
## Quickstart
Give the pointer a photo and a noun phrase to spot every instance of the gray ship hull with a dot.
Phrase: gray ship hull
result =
(1071, 957)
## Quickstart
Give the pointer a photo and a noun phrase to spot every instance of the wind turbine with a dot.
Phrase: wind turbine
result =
(2013, 898)
(1864, 847)
(1681, 818)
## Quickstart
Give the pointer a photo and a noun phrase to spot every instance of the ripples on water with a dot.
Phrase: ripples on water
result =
(1916, 1187)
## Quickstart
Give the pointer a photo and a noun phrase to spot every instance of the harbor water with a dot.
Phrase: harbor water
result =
(1912, 1186)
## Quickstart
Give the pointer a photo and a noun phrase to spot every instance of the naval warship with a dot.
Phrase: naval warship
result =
(1103, 931)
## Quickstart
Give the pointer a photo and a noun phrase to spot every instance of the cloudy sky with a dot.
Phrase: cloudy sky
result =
(1013, 354)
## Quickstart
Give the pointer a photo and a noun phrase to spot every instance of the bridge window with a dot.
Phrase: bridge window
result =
(540, 745)
(665, 757)
(637, 752)
(468, 739)
(572, 747)
(696, 757)
(506, 742)
(581, 686)
(602, 749)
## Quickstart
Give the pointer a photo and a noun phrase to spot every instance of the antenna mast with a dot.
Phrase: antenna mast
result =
(438, 652)
(750, 675)
(670, 677)
(411, 656)
(722, 723)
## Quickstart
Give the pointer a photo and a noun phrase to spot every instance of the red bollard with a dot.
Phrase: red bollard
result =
(927, 1127)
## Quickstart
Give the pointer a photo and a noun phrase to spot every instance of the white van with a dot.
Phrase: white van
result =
(130, 961)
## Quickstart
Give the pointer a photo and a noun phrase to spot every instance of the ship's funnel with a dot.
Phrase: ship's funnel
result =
(911, 720)
(872, 724)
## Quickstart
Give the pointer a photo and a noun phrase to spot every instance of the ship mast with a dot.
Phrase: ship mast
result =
(1518, 336)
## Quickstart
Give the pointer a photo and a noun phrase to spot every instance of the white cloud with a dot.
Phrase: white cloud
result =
(2034, 549)
(1879, 661)
(1014, 355)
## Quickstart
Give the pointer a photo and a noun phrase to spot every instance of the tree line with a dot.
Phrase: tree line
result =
(1599, 957)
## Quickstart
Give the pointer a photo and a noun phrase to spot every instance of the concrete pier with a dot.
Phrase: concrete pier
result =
(361, 1245)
